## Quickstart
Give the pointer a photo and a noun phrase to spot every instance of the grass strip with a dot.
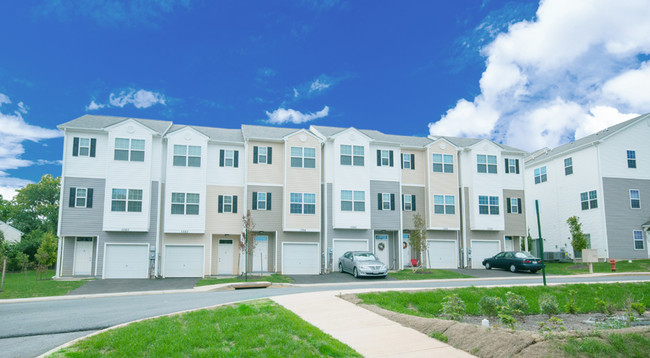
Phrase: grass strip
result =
(570, 268)
(627, 345)
(27, 284)
(426, 274)
(275, 278)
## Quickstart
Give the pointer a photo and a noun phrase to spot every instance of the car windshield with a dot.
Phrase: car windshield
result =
(365, 256)
(524, 255)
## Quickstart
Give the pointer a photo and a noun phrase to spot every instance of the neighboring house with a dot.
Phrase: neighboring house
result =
(10, 233)
(604, 180)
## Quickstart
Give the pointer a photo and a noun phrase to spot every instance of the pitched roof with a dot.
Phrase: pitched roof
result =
(263, 132)
(328, 131)
(90, 121)
(216, 134)
(463, 142)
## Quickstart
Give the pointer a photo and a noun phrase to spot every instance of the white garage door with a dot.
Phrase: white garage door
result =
(300, 258)
(442, 254)
(482, 250)
(126, 261)
(183, 261)
(341, 246)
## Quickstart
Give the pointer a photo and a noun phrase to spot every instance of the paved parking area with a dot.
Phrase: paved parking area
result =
(334, 277)
(133, 285)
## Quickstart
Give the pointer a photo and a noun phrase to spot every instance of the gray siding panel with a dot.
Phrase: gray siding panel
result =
(384, 219)
(82, 221)
(267, 220)
(420, 204)
(621, 219)
(515, 224)
(68, 256)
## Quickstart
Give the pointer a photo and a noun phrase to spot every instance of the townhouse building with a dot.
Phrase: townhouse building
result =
(604, 180)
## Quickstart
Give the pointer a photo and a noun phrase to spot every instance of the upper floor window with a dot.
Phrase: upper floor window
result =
(352, 155)
(228, 158)
(444, 204)
(443, 163)
(512, 166)
(486, 163)
(385, 201)
(353, 200)
(303, 157)
(631, 159)
(384, 158)
(187, 155)
(589, 200)
(568, 166)
(635, 199)
(408, 161)
(408, 202)
(126, 200)
(83, 147)
(488, 205)
(261, 201)
(185, 203)
(513, 205)
(540, 175)
(81, 198)
(227, 204)
(129, 149)
(302, 203)
(262, 155)
(638, 239)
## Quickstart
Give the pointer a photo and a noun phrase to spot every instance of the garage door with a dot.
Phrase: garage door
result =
(482, 250)
(300, 258)
(126, 261)
(442, 254)
(183, 261)
(341, 246)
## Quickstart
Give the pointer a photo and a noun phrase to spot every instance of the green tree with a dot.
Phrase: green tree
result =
(5, 207)
(578, 238)
(419, 238)
(46, 254)
(36, 206)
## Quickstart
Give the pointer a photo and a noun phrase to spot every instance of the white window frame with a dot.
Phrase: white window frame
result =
(491, 205)
(355, 196)
(636, 199)
(385, 201)
(84, 197)
(228, 155)
(590, 198)
(129, 149)
(408, 202)
(260, 194)
(185, 203)
(303, 157)
(568, 166)
(355, 158)
(132, 197)
(260, 155)
(640, 239)
(512, 165)
(406, 161)
(303, 201)
(442, 163)
(540, 175)
(514, 205)
(385, 158)
(631, 159)
(81, 147)
(227, 204)
(184, 152)
(444, 204)
(488, 162)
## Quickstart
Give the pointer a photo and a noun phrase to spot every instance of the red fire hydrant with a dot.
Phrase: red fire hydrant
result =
(613, 263)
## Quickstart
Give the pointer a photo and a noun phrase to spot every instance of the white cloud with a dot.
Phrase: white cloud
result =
(318, 86)
(94, 106)
(295, 93)
(560, 75)
(139, 99)
(281, 116)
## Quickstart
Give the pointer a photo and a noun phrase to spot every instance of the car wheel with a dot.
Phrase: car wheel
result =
(533, 271)
(340, 268)
(355, 273)
(513, 268)
(488, 266)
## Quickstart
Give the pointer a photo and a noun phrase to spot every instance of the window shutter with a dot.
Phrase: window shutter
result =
(402, 161)
(378, 158)
(73, 192)
(220, 207)
(507, 169)
(269, 155)
(268, 201)
(379, 206)
(412, 161)
(392, 201)
(93, 145)
(255, 155)
(234, 204)
(517, 165)
(390, 155)
(402, 202)
(75, 147)
(89, 198)
(413, 202)
(235, 161)
(508, 204)
(254, 200)
(221, 158)
(519, 202)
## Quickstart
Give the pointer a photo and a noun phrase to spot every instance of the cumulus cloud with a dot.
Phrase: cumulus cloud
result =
(139, 99)
(94, 106)
(281, 116)
(572, 70)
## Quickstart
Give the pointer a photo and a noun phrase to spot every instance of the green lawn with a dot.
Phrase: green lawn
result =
(19, 285)
(426, 274)
(276, 278)
(429, 303)
(569, 268)
(629, 345)
(254, 329)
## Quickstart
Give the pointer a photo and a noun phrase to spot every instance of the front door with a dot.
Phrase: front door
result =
(406, 249)
(225, 256)
(509, 244)
(261, 254)
(83, 256)
(381, 248)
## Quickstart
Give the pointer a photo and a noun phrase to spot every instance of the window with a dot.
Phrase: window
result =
(129, 149)
(386, 201)
(631, 159)
(185, 203)
(512, 166)
(262, 155)
(83, 147)
(589, 200)
(352, 155)
(384, 158)
(303, 203)
(488, 205)
(408, 161)
(227, 204)
(486, 163)
(303, 157)
(513, 205)
(261, 201)
(126, 200)
(443, 163)
(408, 202)
(228, 158)
(444, 204)
(638, 239)
(187, 155)
(568, 166)
(635, 199)
(540, 175)
(353, 200)
(81, 198)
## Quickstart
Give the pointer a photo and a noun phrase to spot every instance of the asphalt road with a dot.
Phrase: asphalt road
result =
(32, 328)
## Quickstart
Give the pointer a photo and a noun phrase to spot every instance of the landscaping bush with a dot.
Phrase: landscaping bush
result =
(453, 307)
(570, 306)
(516, 305)
(490, 305)
(548, 305)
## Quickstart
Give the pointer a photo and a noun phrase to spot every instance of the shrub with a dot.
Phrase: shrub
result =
(453, 307)
(570, 306)
(490, 305)
(548, 305)
(553, 324)
(516, 305)
(638, 307)
(507, 320)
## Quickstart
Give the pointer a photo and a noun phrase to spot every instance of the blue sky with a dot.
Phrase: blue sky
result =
(524, 73)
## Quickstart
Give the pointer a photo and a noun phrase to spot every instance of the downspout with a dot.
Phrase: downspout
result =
(59, 264)
(400, 233)
(463, 211)
(324, 222)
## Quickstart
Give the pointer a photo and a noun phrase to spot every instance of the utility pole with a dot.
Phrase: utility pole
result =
(540, 244)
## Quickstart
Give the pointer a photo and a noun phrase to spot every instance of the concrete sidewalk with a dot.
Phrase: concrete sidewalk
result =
(366, 332)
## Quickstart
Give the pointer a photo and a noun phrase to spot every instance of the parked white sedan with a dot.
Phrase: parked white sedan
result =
(362, 263)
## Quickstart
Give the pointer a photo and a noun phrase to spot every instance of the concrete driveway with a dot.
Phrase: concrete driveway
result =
(133, 285)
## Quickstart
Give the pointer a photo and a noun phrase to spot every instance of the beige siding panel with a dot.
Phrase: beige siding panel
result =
(191, 239)
(223, 223)
(302, 180)
(442, 184)
(417, 175)
(266, 173)
(515, 224)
